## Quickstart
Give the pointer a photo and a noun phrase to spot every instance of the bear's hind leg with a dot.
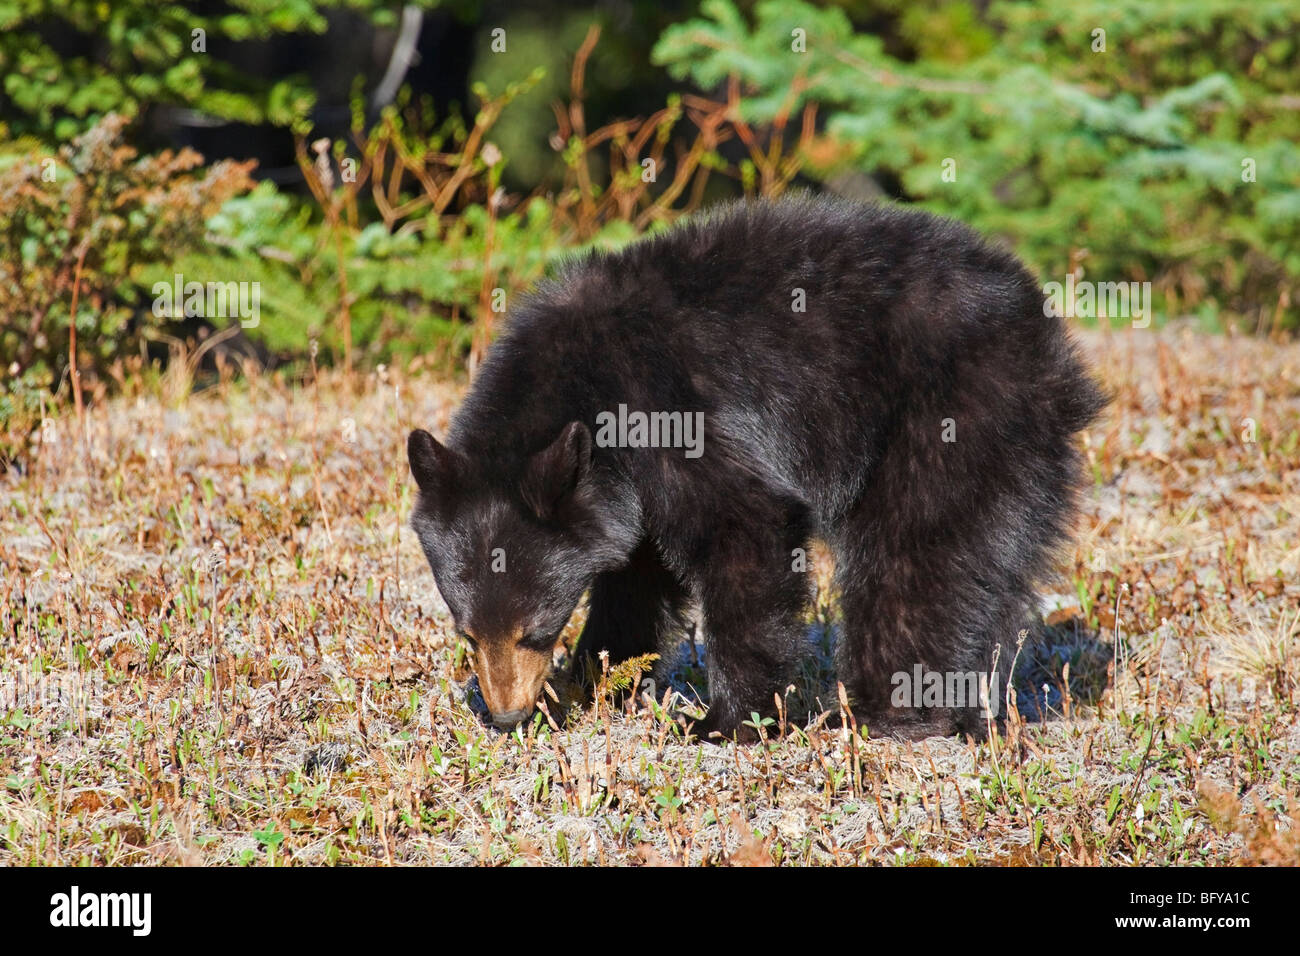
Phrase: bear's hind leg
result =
(924, 608)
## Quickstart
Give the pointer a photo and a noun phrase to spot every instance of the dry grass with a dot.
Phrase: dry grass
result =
(222, 645)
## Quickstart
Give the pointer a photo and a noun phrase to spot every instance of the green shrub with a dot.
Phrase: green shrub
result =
(1134, 162)
(410, 293)
(145, 52)
(94, 214)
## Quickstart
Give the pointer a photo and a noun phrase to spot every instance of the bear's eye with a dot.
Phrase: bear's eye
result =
(540, 641)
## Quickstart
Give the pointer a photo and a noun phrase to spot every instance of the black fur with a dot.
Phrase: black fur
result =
(826, 422)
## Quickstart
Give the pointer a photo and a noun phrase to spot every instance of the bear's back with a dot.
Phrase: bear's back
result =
(799, 327)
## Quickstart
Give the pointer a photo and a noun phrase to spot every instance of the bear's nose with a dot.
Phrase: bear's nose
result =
(511, 717)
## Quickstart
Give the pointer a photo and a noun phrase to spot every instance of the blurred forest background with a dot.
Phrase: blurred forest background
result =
(392, 174)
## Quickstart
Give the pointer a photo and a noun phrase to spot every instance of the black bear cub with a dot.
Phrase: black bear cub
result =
(674, 422)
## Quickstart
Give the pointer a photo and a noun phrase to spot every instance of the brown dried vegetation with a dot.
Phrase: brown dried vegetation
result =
(220, 644)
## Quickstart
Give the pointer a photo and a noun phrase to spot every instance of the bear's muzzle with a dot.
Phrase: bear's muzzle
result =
(510, 678)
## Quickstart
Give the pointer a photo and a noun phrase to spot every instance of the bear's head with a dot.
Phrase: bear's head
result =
(512, 554)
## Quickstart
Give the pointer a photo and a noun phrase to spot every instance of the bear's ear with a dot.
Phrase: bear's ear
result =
(555, 471)
(432, 464)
